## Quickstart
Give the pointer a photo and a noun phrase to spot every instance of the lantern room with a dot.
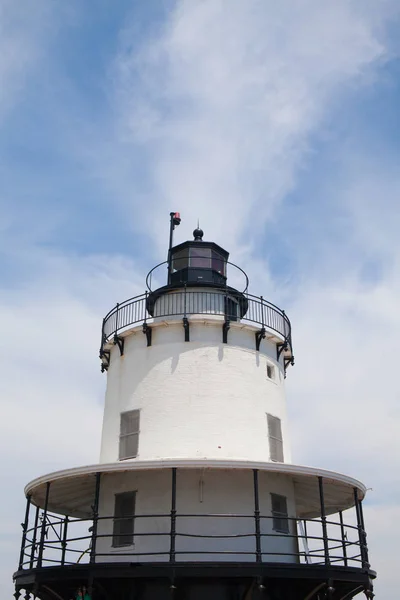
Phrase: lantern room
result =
(197, 263)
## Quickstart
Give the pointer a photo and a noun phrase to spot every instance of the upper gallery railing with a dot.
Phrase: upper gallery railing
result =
(183, 302)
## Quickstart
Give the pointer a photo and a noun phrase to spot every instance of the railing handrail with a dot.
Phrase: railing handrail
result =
(260, 311)
(322, 542)
(222, 260)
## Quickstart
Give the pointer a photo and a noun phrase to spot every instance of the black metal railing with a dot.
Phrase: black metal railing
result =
(184, 303)
(191, 266)
(173, 538)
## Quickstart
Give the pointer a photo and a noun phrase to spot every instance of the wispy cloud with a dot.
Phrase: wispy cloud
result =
(227, 96)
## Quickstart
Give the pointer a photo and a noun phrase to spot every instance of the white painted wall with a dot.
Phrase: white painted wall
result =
(198, 399)
(199, 492)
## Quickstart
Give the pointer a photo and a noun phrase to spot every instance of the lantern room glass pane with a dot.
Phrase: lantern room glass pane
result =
(180, 260)
(200, 258)
(218, 263)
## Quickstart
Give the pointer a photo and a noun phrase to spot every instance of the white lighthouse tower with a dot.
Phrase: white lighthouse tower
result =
(195, 495)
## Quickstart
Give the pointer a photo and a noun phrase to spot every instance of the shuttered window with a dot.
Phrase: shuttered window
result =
(124, 513)
(275, 438)
(129, 434)
(280, 520)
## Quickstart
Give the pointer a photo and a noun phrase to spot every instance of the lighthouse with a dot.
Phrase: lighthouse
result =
(195, 495)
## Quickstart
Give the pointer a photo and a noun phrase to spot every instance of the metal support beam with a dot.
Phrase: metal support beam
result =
(147, 332)
(344, 538)
(257, 516)
(24, 530)
(120, 342)
(173, 518)
(33, 547)
(289, 360)
(330, 590)
(366, 558)
(64, 541)
(105, 356)
(260, 335)
(281, 348)
(361, 532)
(323, 520)
(43, 530)
(95, 518)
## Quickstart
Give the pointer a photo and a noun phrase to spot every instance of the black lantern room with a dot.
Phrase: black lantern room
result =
(200, 264)
(197, 263)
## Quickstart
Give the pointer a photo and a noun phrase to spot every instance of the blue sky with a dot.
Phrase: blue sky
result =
(278, 126)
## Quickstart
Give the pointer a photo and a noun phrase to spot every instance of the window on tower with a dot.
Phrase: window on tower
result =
(275, 438)
(280, 521)
(270, 372)
(129, 434)
(124, 517)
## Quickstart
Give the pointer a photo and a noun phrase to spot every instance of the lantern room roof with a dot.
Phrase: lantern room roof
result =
(200, 244)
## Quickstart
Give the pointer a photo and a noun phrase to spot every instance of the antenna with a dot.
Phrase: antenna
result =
(175, 219)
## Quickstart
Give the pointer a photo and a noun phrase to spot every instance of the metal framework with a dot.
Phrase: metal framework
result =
(239, 270)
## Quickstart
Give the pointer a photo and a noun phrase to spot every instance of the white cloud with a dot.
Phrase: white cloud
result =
(227, 96)
(344, 391)
(51, 388)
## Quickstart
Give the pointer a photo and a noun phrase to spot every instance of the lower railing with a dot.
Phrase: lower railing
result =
(173, 538)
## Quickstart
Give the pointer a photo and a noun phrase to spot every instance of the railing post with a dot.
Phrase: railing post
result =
(227, 321)
(116, 320)
(173, 518)
(284, 324)
(262, 312)
(43, 530)
(95, 518)
(361, 532)
(185, 319)
(343, 538)
(24, 529)
(323, 520)
(257, 516)
(64, 541)
(33, 547)
(364, 533)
